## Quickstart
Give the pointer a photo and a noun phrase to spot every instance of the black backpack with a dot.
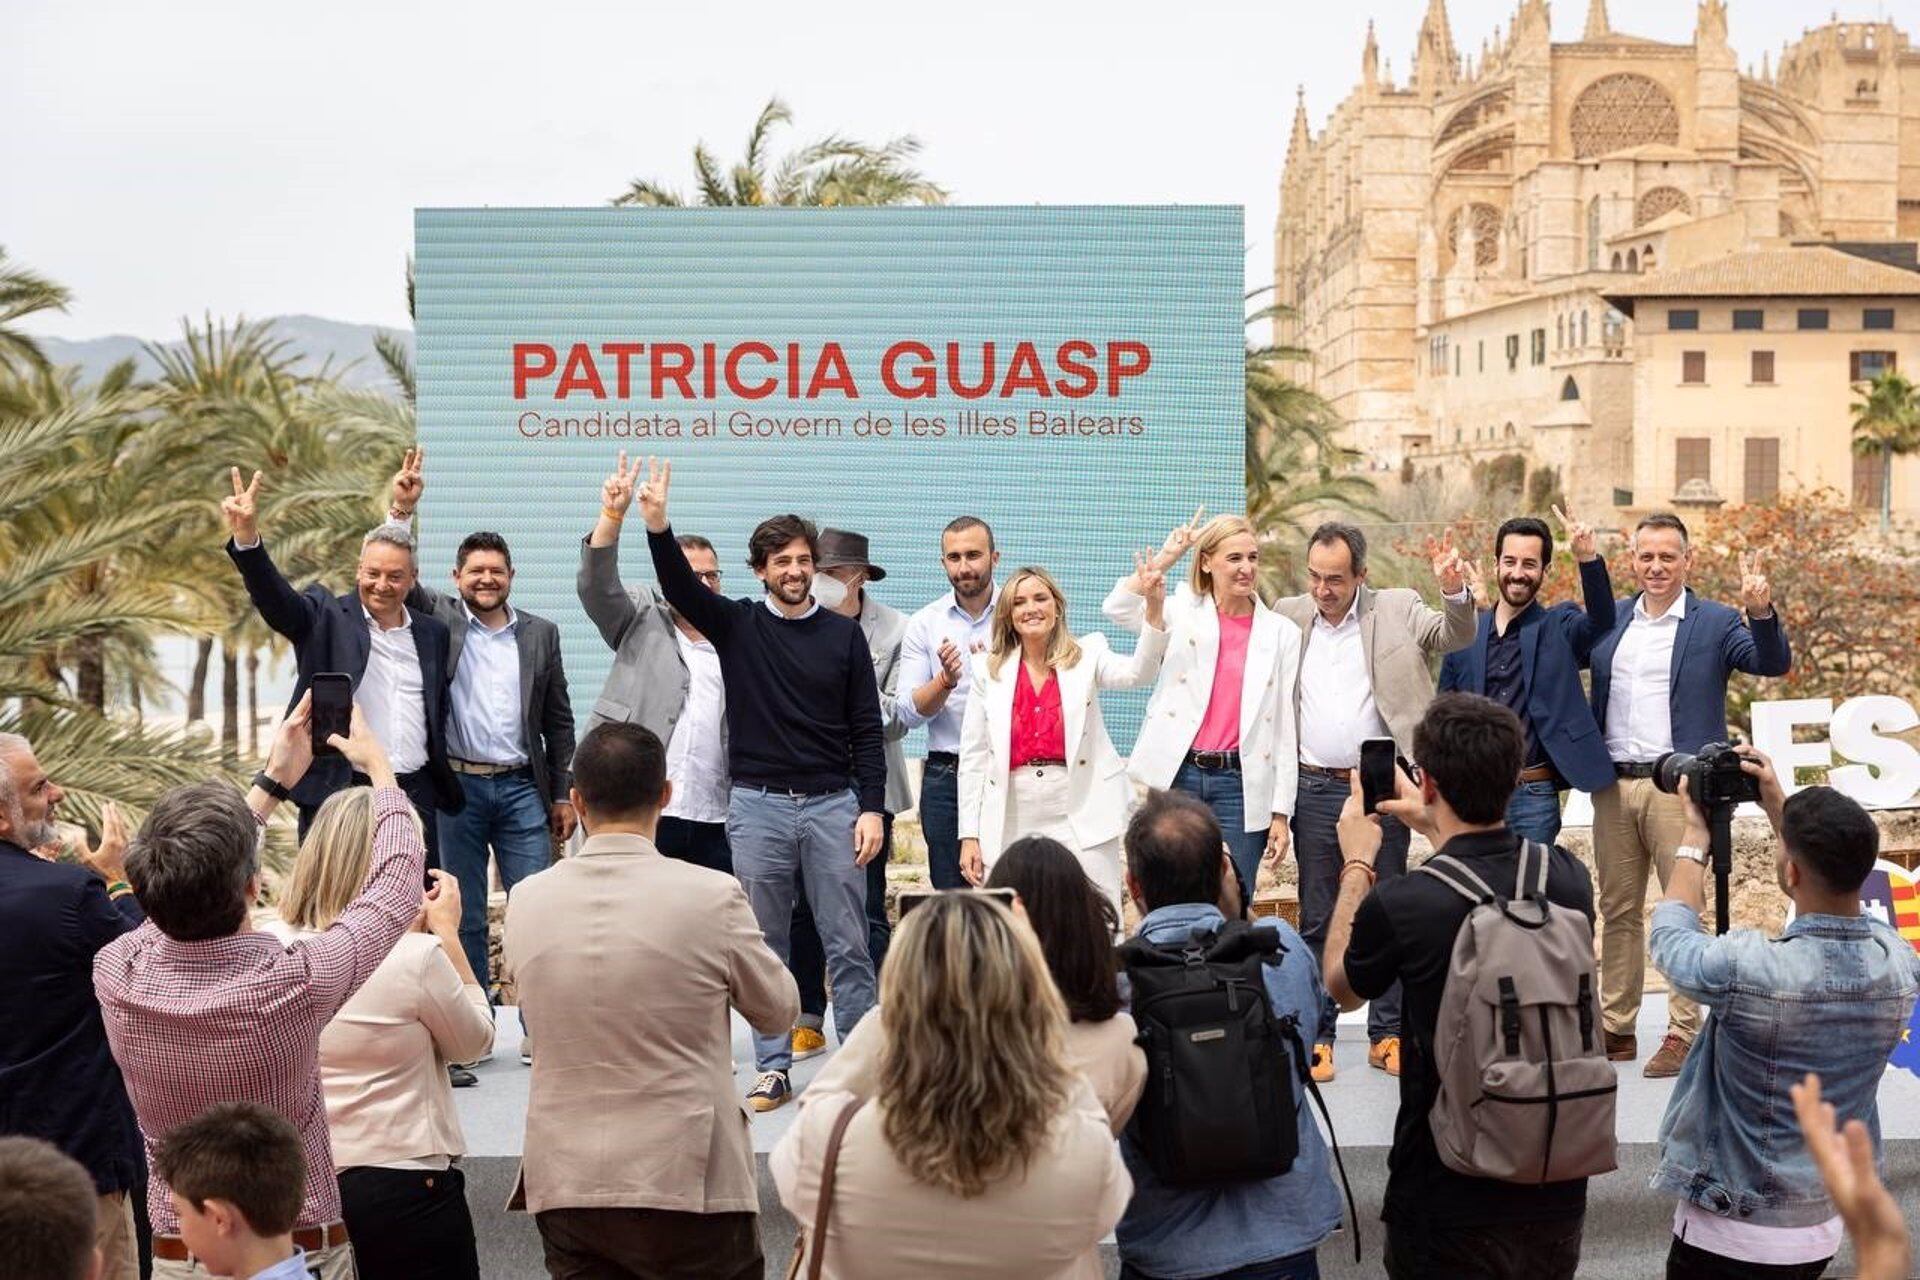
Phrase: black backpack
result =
(1218, 1103)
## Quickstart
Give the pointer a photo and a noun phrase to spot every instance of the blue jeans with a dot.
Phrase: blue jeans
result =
(1222, 791)
(784, 844)
(940, 822)
(505, 812)
(807, 960)
(1316, 846)
(1534, 812)
(1298, 1266)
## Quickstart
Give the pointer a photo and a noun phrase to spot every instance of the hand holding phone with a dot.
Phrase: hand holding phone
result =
(1377, 782)
(332, 710)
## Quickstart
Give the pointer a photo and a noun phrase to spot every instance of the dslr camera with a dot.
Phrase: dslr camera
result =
(1714, 776)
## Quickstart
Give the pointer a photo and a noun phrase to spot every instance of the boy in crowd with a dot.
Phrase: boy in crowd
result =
(237, 1174)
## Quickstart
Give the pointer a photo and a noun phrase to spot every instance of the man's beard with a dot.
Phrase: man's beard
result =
(1507, 589)
(33, 835)
(970, 588)
(473, 601)
(792, 592)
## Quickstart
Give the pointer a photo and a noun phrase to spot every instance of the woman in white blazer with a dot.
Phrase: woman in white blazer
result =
(1035, 758)
(1221, 723)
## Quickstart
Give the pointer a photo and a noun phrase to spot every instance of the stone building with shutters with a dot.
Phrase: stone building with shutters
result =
(1468, 253)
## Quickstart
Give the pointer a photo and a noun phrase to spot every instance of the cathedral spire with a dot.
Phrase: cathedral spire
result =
(1436, 63)
(1297, 145)
(1370, 59)
(1598, 28)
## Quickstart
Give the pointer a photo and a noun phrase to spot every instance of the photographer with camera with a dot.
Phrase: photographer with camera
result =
(1660, 685)
(1829, 995)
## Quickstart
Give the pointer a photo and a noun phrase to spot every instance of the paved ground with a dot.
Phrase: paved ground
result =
(1627, 1226)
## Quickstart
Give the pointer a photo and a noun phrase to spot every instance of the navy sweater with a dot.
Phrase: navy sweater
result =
(803, 712)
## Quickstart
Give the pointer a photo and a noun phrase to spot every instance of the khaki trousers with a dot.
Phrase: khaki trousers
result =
(119, 1247)
(1636, 827)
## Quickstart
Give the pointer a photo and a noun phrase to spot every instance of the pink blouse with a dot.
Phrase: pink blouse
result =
(1039, 732)
(1220, 727)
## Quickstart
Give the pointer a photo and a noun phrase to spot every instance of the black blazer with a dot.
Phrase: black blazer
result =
(329, 633)
(58, 1080)
(546, 712)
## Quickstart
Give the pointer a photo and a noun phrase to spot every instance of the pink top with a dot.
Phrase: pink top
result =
(1039, 733)
(1220, 727)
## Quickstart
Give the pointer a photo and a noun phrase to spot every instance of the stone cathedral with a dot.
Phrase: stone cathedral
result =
(1554, 176)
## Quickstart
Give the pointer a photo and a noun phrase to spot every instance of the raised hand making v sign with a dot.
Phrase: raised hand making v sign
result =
(242, 510)
(1756, 593)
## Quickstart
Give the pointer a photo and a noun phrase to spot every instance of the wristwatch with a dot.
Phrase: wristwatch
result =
(272, 788)
(1692, 853)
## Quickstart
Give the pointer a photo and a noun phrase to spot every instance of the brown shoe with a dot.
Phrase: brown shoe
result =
(1322, 1063)
(1384, 1054)
(1622, 1048)
(1666, 1061)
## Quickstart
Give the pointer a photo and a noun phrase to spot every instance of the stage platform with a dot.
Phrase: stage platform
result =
(1627, 1226)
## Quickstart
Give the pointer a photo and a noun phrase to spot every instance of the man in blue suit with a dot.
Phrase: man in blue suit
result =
(1528, 659)
(396, 658)
(1659, 685)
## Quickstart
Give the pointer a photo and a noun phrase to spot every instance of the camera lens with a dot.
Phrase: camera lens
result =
(1670, 768)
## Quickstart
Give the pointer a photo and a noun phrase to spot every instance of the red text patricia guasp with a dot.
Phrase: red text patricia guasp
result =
(909, 370)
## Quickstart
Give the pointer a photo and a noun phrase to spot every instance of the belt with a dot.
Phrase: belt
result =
(790, 792)
(311, 1239)
(1538, 773)
(1633, 769)
(1214, 759)
(1344, 775)
(1044, 764)
(480, 770)
(943, 757)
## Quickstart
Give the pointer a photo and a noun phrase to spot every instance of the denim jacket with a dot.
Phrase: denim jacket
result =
(1172, 1233)
(1831, 995)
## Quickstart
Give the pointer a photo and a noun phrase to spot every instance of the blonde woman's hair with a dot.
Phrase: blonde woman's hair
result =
(1062, 649)
(973, 1072)
(1211, 535)
(334, 858)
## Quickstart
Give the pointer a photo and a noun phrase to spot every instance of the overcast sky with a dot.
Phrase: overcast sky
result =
(168, 159)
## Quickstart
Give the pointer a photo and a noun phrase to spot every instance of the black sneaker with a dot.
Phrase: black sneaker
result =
(461, 1078)
(771, 1090)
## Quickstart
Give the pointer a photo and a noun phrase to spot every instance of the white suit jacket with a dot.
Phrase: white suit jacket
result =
(1269, 736)
(1098, 793)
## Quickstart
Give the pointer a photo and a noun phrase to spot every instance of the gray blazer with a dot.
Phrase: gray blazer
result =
(546, 712)
(885, 627)
(1399, 632)
(648, 683)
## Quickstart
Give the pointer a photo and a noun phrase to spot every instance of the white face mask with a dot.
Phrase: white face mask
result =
(829, 591)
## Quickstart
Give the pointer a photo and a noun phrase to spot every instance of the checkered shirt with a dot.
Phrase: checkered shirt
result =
(239, 1018)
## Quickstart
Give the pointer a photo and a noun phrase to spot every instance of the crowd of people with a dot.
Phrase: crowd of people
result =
(269, 1096)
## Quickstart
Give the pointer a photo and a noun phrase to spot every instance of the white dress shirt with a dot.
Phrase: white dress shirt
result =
(1337, 710)
(1639, 709)
(696, 761)
(942, 620)
(485, 723)
(392, 693)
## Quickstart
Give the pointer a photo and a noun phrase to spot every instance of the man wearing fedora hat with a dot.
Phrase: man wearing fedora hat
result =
(842, 571)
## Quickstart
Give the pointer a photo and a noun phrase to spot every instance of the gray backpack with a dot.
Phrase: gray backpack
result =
(1526, 1091)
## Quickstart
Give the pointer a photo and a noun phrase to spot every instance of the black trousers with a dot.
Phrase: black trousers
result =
(650, 1244)
(409, 1224)
(1547, 1250)
(701, 843)
(807, 958)
(419, 789)
(1685, 1262)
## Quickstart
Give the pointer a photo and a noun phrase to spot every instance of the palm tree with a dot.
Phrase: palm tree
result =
(831, 171)
(1297, 470)
(1886, 421)
(22, 293)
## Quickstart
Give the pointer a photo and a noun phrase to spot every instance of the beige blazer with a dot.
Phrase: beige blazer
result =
(1044, 1223)
(627, 963)
(1400, 634)
(1099, 796)
(383, 1058)
(1103, 1052)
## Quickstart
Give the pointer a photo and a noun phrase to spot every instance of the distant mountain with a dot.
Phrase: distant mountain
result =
(348, 347)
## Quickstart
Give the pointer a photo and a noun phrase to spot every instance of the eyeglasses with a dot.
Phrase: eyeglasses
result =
(711, 577)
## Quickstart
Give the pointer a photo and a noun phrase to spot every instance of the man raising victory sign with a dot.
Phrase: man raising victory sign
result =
(1528, 659)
